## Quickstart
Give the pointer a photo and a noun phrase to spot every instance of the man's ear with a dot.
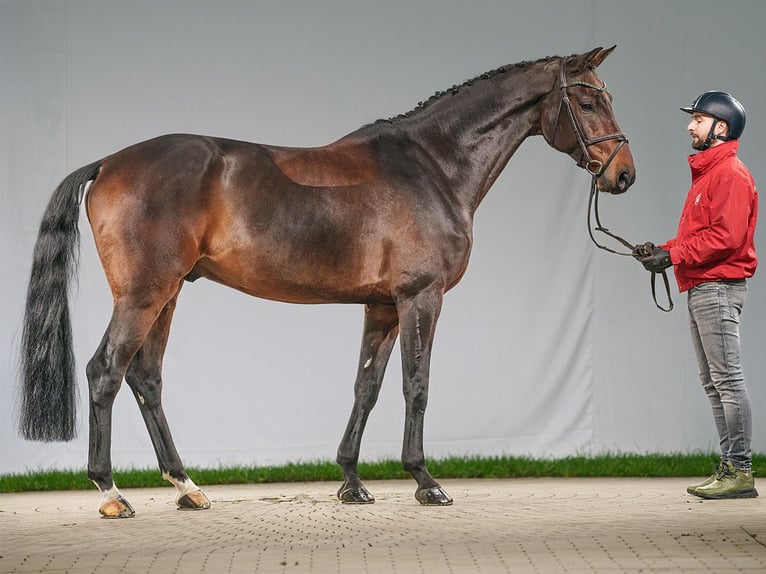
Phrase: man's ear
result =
(722, 128)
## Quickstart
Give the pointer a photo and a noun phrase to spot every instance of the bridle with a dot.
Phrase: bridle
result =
(596, 168)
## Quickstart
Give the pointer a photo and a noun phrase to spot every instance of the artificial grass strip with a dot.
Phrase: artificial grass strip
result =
(608, 465)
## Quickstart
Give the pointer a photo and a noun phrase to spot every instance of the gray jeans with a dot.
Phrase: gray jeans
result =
(714, 311)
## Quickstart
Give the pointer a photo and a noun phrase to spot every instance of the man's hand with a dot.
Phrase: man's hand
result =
(658, 261)
(644, 250)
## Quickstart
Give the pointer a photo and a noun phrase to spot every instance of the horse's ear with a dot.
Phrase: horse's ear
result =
(592, 59)
(599, 55)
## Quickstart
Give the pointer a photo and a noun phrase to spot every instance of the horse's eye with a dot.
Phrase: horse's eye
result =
(586, 106)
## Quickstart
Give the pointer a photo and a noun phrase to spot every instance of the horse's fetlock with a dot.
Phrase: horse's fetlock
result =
(102, 480)
(414, 464)
(178, 474)
(346, 461)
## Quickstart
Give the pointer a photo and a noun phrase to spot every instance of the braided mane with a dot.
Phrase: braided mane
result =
(457, 87)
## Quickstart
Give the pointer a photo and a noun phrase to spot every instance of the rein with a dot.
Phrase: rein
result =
(593, 203)
(596, 168)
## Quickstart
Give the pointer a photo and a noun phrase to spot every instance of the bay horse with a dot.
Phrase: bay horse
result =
(382, 217)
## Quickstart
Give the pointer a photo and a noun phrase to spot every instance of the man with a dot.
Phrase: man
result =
(713, 254)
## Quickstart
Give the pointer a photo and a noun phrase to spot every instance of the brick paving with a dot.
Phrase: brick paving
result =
(519, 525)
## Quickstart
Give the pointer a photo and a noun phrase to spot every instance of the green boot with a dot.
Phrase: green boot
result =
(718, 472)
(732, 483)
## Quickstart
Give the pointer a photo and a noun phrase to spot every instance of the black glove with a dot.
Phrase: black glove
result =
(644, 250)
(658, 261)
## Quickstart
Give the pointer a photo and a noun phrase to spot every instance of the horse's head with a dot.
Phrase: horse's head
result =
(578, 120)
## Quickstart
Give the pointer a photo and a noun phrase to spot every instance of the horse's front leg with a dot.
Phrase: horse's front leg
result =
(380, 329)
(144, 376)
(417, 322)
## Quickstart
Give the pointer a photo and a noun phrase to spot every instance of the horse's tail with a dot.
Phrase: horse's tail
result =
(48, 402)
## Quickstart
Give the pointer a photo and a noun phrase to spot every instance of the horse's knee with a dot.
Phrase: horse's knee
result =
(367, 392)
(416, 397)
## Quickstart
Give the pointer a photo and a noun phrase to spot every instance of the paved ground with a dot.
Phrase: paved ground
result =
(542, 525)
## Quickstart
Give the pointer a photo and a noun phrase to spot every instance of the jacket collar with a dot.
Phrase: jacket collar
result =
(704, 160)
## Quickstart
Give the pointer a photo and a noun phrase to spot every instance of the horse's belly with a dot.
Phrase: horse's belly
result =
(295, 280)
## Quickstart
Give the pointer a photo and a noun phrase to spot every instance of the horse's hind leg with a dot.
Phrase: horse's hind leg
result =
(130, 323)
(380, 329)
(144, 376)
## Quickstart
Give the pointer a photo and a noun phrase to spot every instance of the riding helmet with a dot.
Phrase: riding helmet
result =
(722, 106)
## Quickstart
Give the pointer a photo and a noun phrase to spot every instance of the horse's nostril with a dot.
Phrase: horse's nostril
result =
(625, 180)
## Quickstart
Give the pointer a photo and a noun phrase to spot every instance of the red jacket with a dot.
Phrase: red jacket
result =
(715, 233)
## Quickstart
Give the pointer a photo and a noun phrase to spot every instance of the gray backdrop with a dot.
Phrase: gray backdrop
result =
(547, 347)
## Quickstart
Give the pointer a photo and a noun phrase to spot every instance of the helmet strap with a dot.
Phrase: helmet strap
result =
(711, 135)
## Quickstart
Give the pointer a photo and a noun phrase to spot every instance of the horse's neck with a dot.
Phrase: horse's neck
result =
(471, 135)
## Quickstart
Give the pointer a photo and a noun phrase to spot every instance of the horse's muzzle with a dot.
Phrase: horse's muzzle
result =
(617, 183)
(624, 180)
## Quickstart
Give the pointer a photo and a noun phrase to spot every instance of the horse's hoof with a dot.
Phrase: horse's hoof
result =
(356, 495)
(195, 500)
(117, 508)
(434, 496)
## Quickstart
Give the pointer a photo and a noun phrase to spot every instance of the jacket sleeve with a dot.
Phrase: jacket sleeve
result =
(728, 214)
(668, 244)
